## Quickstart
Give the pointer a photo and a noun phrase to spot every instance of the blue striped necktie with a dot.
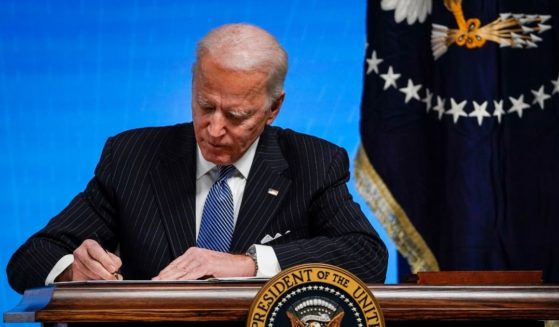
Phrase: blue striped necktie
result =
(216, 227)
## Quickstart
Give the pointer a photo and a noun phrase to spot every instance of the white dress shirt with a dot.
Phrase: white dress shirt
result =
(206, 174)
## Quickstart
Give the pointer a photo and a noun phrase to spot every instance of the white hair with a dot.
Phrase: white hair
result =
(246, 47)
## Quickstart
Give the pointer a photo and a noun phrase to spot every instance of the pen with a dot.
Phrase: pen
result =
(116, 274)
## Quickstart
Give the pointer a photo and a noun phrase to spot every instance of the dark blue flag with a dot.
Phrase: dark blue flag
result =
(460, 132)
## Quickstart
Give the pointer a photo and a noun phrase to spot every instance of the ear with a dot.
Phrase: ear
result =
(275, 109)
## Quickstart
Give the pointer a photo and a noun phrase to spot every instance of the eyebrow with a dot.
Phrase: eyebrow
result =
(238, 113)
(203, 101)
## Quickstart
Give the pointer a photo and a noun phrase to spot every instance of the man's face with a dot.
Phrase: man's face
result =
(229, 110)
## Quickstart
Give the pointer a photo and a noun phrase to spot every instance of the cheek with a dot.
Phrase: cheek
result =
(238, 139)
(199, 121)
(199, 131)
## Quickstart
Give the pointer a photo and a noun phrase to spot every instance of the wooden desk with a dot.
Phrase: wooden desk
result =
(226, 302)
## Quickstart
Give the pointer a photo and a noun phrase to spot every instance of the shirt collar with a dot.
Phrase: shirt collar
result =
(242, 165)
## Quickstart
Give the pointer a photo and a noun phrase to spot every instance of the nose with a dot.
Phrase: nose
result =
(217, 125)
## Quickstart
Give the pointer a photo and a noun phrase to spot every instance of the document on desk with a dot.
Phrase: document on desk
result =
(188, 281)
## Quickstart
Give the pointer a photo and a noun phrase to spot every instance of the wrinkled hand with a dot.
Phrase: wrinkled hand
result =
(197, 263)
(92, 262)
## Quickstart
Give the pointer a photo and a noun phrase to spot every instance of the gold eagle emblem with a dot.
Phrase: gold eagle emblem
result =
(509, 30)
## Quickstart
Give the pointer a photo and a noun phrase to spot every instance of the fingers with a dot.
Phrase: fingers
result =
(92, 262)
(187, 266)
(196, 263)
(116, 260)
(180, 273)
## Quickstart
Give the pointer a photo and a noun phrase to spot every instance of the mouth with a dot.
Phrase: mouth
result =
(216, 146)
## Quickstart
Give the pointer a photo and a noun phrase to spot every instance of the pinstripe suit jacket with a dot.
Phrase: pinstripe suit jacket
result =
(142, 197)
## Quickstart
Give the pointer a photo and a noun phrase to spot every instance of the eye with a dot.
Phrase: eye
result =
(206, 108)
(204, 104)
(237, 117)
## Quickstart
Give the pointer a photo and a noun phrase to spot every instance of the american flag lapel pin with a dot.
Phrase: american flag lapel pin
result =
(273, 192)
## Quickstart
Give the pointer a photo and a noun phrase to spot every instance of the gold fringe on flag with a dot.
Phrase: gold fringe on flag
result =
(393, 218)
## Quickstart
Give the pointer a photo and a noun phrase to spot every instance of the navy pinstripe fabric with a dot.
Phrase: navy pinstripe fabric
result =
(143, 197)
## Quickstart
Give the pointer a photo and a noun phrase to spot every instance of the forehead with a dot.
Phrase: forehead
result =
(212, 79)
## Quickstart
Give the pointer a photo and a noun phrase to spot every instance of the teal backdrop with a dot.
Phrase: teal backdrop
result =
(72, 73)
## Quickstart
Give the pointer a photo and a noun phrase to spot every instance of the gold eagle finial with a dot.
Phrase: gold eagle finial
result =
(514, 30)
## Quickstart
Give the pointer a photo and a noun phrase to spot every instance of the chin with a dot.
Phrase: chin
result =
(221, 162)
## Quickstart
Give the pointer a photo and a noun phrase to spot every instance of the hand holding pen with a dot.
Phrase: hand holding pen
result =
(93, 262)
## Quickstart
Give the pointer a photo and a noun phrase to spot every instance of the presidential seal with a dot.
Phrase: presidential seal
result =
(315, 295)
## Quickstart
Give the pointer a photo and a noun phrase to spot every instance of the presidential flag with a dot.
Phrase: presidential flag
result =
(460, 132)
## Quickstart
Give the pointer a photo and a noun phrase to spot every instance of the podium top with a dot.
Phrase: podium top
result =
(220, 302)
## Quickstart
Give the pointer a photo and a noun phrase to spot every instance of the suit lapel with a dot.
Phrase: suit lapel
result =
(174, 184)
(265, 190)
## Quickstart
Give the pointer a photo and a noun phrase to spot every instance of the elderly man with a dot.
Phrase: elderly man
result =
(225, 195)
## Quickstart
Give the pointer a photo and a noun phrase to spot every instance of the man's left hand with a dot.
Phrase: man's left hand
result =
(196, 263)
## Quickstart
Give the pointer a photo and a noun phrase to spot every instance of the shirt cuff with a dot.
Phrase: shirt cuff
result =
(59, 267)
(268, 264)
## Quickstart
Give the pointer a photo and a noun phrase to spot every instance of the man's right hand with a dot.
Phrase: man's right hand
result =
(92, 262)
